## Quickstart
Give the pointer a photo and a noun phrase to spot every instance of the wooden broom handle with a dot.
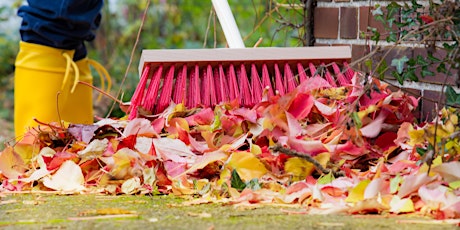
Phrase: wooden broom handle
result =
(228, 24)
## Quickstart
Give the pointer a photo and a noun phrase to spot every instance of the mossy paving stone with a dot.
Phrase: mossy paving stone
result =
(34, 211)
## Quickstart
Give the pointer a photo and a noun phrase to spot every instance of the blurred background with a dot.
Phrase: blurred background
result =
(170, 24)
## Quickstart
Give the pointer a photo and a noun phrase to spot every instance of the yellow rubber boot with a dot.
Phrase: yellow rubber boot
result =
(44, 77)
(78, 108)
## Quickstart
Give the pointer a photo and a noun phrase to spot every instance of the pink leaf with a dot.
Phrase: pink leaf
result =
(203, 117)
(174, 169)
(309, 147)
(139, 126)
(324, 109)
(449, 171)
(373, 188)
(313, 83)
(248, 114)
(372, 129)
(174, 150)
(295, 128)
(412, 183)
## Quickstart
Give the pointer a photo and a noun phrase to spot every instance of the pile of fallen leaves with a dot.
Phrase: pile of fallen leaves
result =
(332, 149)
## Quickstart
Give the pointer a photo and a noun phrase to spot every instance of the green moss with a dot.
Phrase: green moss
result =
(165, 212)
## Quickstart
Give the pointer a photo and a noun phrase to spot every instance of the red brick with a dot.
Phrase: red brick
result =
(366, 19)
(348, 22)
(357, 52)
(429, 100)
(326, 23)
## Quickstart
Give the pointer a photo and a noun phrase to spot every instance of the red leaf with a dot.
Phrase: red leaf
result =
(386, 140)
(427, 19)
(301, 105)
(203, 117)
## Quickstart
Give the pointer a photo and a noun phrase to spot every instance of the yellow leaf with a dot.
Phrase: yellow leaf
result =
(224, 176)
(11, 164)
(267, 124)
(255, 149)
(357, 193)
(247, 165)
(440, 132)
(26, 151)
(364, 113)
(335, 93)
(416, 136)
(399, 205)
(105, 211)
(300, 168)
(424, 168)
(455, 184)
(122, 164)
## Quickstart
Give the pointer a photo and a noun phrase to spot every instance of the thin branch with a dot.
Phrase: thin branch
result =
(144, 16)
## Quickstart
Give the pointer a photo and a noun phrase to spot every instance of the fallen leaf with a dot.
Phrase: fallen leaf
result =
(11, 164)
(174, 150)
(450, 171)
(139, 126)
(373, 129)
(95, 149)
(247, 165)
(401, 205)
(356, 194)
(68, 178)
(131, 186)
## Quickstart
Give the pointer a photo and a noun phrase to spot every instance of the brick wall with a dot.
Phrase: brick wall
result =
(340, 22)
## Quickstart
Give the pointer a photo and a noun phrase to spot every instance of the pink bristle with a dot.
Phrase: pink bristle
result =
(223, 85)
(194, 88)
(138, 95)
(217, 82)
(313, 70)
(279, 86)
(329, 77)
(166, 91)
(302, 74)
(266, 82)
(245, 89)
(151, 96)
(349, 72)
(232, 83)
(289, 78)
(256, 85)
(341, 79)
(213, 94)
(205, 99)
(180, 88)
(209, 94)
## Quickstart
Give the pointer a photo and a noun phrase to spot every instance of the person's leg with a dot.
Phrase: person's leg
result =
(52, 34)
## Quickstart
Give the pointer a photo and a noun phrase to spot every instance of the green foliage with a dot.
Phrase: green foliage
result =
(411, 23)
(237, 183)
(452, 97)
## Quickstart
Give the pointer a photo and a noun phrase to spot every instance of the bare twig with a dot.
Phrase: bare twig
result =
(144, 16)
